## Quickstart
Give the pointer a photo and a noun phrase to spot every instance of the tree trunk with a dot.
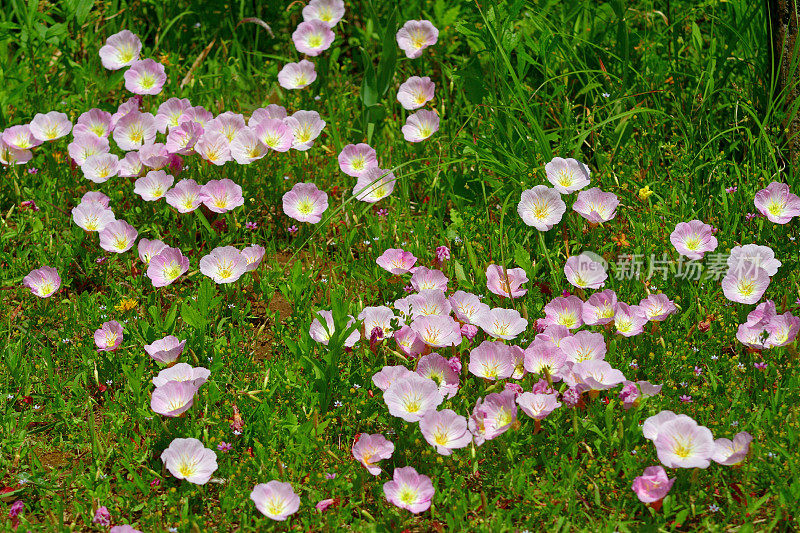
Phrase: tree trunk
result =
(785, 68)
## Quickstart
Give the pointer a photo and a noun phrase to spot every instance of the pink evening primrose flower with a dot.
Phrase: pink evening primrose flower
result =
(92, 216)
(145, 77)
(95, 121)
(134, 130)
(170, 112)
(599, 308)
(596, 206)
(305, 203)
(297, 75)
(782, 330)
(182, 372)
(167, 266)
(386, 376)
(492, 416)
(148, 249)
(102, 517)
(415, 36)
(165, 350)
(762, 314)
(118, 237)
(693, 239)
(253, 255)
(221, 196)
(584, 346)
(322, 505)
(272, 111)
(227, 124)
(356, 159)
(541, 358)
(322, 333)
(506, 282)
(50, 126)
(567, 175)
(424, 278)
(86, 145)
(20, 137)
(108, 337)
(186, 196)
(428, 302)
(120, 50)
(197, 114)
(328, 11)
(411, 396)
(727, 452)
(752, 256)
(466, 306)
(224, 264)
(585, 271)
(10, 155)
(541, 207)
(153, 186)
(181, 139)
(434, 366)
(375, 185)
(409, 490)
(657, 307)
(95, 197)
(501, 323)
(306, 127)
(125, 528)
(131, 104)
(188, 459)
(746, 287)
(596, 374)
(274, 134)
(437, 331)
(682, 443)
(653, 485)
(369, 449)
(43, 282)
(130, 166)
(409, 342)
(491, 360)
(420, 125)
(777, 203)
(214, 147)
(415, 92)
(537, 406)
(173, 398)
(154, 156)
(247, 147)
(275, 500)
(377, 317)
(99, 168)
(396, 261)
(445, 430)
(629, 319)
(567, 312)
(312, 37)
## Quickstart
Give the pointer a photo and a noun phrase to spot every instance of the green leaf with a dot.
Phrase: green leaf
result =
(192, 316)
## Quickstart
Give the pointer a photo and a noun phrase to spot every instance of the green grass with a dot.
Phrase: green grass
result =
(679, 101)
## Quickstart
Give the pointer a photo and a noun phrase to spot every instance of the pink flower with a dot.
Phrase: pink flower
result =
(125, 528)
(396, 261)
(20, 137)
(652, 485)
(493, 416)
(86, 145)
(420, 125)
(118, 237)
(100, 167)
(415, 36)
(369, 449)
(409, 490)
(131, 104)
(108, 337)
(506, 282)
(167, 266)
(752, 256)
(542, 357)
(313, 37)
(188, 459)
(10, 155)
(120, 50)
(253, 255)
(271, 112)
(567, 312)
(435, 367)
(95, 121)
(375, 185)
(782, 330)
(297, 75)
(682, 443)
(652, 425)
(322, 334)
(324, 504)
(305, 203)
(182, 372)
(130, 166)
(437, 331)
(657, 307)
(186, 196)
(491, 360)
(585, 271)
(584, 346)
(306, 127)
(43, 282)
(537, 406)
(445, 430)
(386, 376)
(466, 306)
(50, 126)
(275, 500)
(165, 350)
(247, 147)
(153, 186)
(425, 278)
(224, 264)
(501, 323)
(221, 196)
(328, 11)
(356, 159)
(629, 319)
(182, 139)
(442, 253)
(170, 112)
(727, 452)
(541, 207)
(411, 396)
(745, 286)
(145, 77)
(275, 134)
(134, 130)
(597, 374)
(92, 216)
(148, 249)
(377, 317)
(154, 156)
(214, 147)
(596, 206)
(197, 114)
(567, 175)
(95, 197)
(102, 517)
(693, 239)
(415, 92)
(173, 398)
(777, 203)
(409, 342)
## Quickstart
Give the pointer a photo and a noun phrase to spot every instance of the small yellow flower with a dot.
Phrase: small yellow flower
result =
(644, 193)
(126, 304)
